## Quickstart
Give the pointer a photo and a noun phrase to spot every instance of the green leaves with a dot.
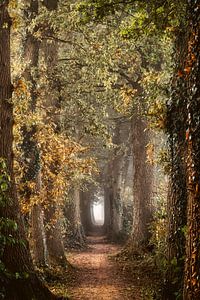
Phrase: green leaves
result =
(7, 223)
(4, 182)
(4, 186)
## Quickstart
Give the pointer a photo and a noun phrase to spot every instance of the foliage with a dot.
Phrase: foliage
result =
(54, 148)
(178, 117)
(159, 233)
(120, 62)
(146, 17)
(6, 224)
(57, 279)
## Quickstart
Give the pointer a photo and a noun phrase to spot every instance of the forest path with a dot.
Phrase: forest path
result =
(98, 277)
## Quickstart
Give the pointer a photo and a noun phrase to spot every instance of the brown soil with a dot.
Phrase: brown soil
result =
(100, 278)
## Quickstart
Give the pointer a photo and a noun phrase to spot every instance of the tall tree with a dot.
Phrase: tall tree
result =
(177, 194)
(31, 153)
(75, 237)
(191, 85)
(54, 239)
(142, 184)
(22, 283)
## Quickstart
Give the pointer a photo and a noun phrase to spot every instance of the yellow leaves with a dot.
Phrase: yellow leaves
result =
(97, 46)
(20, 88)
(62, 162)
(13, 4)
(170, 29)
(126, 97)
(16, 20)
(14, 7)
(150, 153)
(157, 114)
(118, 53)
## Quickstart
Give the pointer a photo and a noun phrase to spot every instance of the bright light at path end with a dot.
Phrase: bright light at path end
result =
(98, 213)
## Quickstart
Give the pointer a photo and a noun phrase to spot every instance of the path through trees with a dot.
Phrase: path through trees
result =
(100, 149)
(100, 277)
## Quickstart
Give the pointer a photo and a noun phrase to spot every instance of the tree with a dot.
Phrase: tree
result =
(161, 18)
(31, 153)
(75, 236)
(177, 195)
(21, 280)
(54, 238)
(191, 85)
(117, 180)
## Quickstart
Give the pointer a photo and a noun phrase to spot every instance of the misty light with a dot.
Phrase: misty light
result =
(97, 211)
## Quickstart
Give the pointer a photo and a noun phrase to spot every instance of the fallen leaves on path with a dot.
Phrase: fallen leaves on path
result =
(98, 277)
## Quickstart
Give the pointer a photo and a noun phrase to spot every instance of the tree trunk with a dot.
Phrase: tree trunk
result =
(38, 238)
(117, 183)
(116, 176)
(192, 78)
(107, 210)
(85, 205)
(177, 196)
(22, 283)
(54, 237)
(32, 169)
(75, 237)
(116, 197)
(142, 185)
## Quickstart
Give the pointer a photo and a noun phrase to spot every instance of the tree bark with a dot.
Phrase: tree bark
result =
(107, 209)
(16, 255)
(192, 90)
(177, 195)
(75, 237)
(116, 197)
(142, 185)
(32, 169)
(117, 181)
(54, 237)
(85, 205)
(38, 238)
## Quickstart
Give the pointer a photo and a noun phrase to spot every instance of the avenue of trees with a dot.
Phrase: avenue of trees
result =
(99, 100)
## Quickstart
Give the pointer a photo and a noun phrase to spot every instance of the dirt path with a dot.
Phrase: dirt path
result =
(98, 277)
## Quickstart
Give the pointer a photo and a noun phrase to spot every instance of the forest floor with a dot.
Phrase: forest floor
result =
(100, 276)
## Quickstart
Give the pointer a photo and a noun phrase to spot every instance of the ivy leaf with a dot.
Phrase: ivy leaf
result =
(4, 186)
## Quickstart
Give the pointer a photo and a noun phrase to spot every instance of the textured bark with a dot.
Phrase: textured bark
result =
(177, 196)
(192, 261)
(16, 257)
(38, 237)
(75, 237)
(86, 199)
(107, 211)
(176, 211)
(116, 175)
(30, 149)
(54, 238)
(118, 183)
(142, 184)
